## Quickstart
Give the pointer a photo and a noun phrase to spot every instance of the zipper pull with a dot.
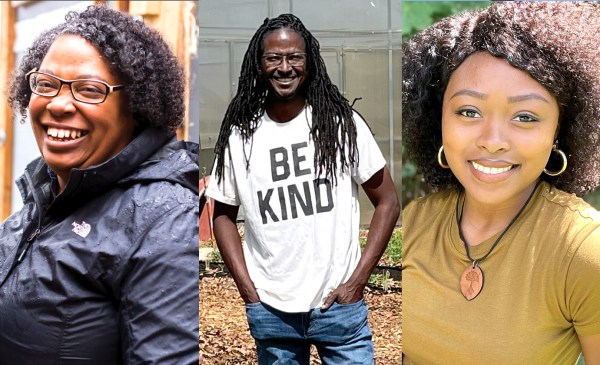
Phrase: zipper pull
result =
(30, 239)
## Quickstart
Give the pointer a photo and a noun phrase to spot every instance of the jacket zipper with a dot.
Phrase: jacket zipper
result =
(30, 239)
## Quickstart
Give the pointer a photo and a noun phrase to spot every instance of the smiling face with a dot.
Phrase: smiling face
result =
(72, 134)
(285, 82)
(498, 127)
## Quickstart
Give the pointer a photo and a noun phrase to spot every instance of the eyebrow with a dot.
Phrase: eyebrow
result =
(511, 99)
(532, 96)
(79, 77)
(469, 92)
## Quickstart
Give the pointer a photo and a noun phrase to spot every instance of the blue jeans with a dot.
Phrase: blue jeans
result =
(341, 334)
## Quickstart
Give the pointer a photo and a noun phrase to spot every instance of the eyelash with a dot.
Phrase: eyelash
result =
(531, 118)
(463, 112)
(527, 115)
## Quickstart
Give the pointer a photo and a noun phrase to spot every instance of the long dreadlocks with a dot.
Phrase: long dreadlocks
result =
(333, 130)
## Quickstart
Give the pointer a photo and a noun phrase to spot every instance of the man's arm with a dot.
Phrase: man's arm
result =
(230, 246)
(382, 193)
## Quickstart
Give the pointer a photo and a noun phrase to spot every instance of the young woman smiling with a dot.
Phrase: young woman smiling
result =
(501, 111)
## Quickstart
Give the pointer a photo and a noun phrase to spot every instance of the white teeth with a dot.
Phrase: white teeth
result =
(490, 170)
(63, 133)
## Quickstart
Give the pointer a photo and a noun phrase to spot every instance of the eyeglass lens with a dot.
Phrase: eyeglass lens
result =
(275, 59)
(83, 90)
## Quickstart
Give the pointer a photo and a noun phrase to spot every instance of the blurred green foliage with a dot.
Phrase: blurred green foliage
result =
(393, 253)
(418, 15)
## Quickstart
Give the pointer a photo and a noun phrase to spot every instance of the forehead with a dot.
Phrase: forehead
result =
(283, 40)
(481, 70)
(72, 57)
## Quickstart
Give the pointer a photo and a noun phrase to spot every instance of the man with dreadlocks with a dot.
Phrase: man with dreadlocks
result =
(301, 272)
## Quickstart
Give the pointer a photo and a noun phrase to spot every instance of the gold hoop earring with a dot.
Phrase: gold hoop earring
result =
(564, 165)
(440, 160)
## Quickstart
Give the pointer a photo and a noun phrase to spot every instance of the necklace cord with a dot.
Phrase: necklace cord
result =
(459, 220)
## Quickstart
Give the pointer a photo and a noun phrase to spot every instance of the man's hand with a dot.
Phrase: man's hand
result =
(381, 192)
(251, 297)
(344, 294)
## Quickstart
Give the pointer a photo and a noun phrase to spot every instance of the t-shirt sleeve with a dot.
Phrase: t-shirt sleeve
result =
(583, 286)
(370, 159)
(224, 191)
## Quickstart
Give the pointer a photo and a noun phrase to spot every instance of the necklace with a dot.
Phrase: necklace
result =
(471, 280)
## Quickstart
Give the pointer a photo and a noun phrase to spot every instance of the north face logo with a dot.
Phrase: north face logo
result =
(82, 229)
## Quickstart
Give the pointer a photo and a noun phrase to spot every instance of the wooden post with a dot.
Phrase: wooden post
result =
(7, 35)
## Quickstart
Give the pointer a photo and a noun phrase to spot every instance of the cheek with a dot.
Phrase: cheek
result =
(36, 106)
(536, 153)
(452, 135)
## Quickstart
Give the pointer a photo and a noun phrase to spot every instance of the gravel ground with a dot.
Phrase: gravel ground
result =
(225, 339)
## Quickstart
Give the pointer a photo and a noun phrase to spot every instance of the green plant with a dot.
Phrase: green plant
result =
(393, 253)
(215, 256)
(394, 249)
(382, 280)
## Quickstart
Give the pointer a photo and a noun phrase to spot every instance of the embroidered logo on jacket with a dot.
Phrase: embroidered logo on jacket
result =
(82, 229)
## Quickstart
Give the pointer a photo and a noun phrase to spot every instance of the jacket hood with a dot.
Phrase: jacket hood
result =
(176, 162)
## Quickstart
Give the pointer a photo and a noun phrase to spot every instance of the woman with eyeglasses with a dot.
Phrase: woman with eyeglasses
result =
(501, 112)
(101, 264)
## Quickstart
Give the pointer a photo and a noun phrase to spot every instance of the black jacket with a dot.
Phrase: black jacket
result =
(108, 270)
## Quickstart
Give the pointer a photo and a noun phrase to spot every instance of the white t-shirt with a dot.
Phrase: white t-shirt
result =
(301, 232)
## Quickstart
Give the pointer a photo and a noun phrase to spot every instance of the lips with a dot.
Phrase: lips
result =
(284, 80)
(64, 134)
(491, 170)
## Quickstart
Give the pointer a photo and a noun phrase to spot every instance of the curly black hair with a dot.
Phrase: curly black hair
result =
(333, 130)
(136, 53)
(554, 42)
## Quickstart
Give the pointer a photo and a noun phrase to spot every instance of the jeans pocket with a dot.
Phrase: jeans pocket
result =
(341, 323)
(267, 323)
(253, 305)
(357, 303)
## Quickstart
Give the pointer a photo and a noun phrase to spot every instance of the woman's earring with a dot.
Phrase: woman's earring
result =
(442, 158)
(564, 159)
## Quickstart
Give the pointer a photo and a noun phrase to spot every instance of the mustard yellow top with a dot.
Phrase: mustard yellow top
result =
(541, 284)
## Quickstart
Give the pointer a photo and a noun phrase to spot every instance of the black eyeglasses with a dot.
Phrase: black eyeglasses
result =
(293, 59)
(84, 90)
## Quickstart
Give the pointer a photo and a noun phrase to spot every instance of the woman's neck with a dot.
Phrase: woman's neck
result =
(480, 221)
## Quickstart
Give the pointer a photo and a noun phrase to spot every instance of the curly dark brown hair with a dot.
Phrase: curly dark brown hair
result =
(554, 42)
(136, 53)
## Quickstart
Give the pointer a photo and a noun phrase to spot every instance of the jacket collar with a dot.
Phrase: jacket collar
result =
(92, 181)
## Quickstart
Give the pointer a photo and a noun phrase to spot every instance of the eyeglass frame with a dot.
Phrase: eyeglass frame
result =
(109, 88)
(284, 57)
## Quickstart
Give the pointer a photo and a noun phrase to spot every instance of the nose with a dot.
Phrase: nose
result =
(63, 103)
(493, 137)
(285, 66)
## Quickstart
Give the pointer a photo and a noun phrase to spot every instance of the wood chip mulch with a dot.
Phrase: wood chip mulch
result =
(225, 338)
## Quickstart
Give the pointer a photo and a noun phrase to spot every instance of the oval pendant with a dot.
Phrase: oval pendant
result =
(471, 282)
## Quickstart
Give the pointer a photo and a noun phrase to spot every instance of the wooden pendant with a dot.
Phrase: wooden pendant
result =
(471, 282)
